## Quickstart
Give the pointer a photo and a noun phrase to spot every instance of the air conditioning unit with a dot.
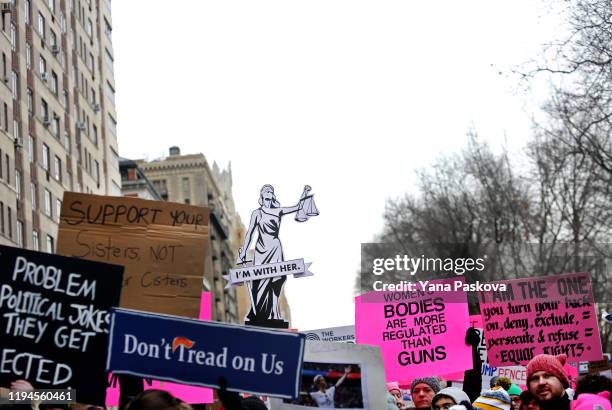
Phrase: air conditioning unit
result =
(44, 77)
(96, 107)
(18, 142)
(80, 126)
(55, 49)
(46, 121)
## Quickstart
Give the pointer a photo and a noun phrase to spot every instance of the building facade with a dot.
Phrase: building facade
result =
(189, 179)
(57, 113)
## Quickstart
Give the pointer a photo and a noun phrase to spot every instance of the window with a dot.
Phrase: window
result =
(56, 125)
(16, 133)
(65, 100)
(112, 124)
(5, 105)
(46, 159)
(28, 56)
(110, 92)
(57, 167)
(52, 38)
(115, 189)
(47, 203)
(42, 65)
(108, 59)
(94, 135)
(186, 188)
(114, 158)
(2, 217)
(50, 245)
(34, 195)
(13, 37)
(15, 85)
(58, 208)
(108, 29)
(41, 25)
(54, 83)
(45, 109)
(67, 141)
(26, 10)
(18, 183)
(8, 169)
(35, 242)
(19, 233)
(32, 148)
(89, 28)
(30, 101)
(97, 172)
(90, 62)
(51, 4)
(9, 219)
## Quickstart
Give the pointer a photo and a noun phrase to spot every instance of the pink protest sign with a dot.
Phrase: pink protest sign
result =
(189, 394)
(551, 314)
(420, 333)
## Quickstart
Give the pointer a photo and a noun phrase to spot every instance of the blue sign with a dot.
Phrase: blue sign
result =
(188, 351)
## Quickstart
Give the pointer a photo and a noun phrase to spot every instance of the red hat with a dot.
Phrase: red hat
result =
(549, 364)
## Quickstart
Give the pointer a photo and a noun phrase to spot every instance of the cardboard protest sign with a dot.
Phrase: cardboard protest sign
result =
(54, 321)
(188, 351)
(420, 333)
(354, 378)
(345, 334)
(161, 244)
(552, 315)
(189, 394)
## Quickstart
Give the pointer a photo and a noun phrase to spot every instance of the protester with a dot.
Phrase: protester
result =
(503, 382)
(493, 399)
(448, 397)
(528, 401)
(395, 391)
(547, 381)
(593, 383)
(588, 401)
(423, 391)
(391, 404)
(515, 396)
(154, 399)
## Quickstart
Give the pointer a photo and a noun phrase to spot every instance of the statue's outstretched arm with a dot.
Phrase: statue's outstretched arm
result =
(296, 207)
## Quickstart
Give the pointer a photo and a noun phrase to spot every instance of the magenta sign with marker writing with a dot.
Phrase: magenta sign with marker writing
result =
(551, 315)
(420, 333)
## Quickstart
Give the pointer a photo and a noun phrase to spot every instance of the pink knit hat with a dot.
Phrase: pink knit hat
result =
(393, 386)
(549, 364)
(586, 401)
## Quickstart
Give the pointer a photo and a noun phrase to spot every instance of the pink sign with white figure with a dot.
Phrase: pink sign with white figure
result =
(420, 333)
(189, 394)
(552, 314)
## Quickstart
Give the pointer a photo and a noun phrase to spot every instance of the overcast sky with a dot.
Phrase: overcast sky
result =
(350, 97)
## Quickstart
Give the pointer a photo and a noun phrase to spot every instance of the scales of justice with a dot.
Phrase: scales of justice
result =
(264, 294)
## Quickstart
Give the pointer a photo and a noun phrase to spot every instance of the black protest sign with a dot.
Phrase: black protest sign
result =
(54, 320)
